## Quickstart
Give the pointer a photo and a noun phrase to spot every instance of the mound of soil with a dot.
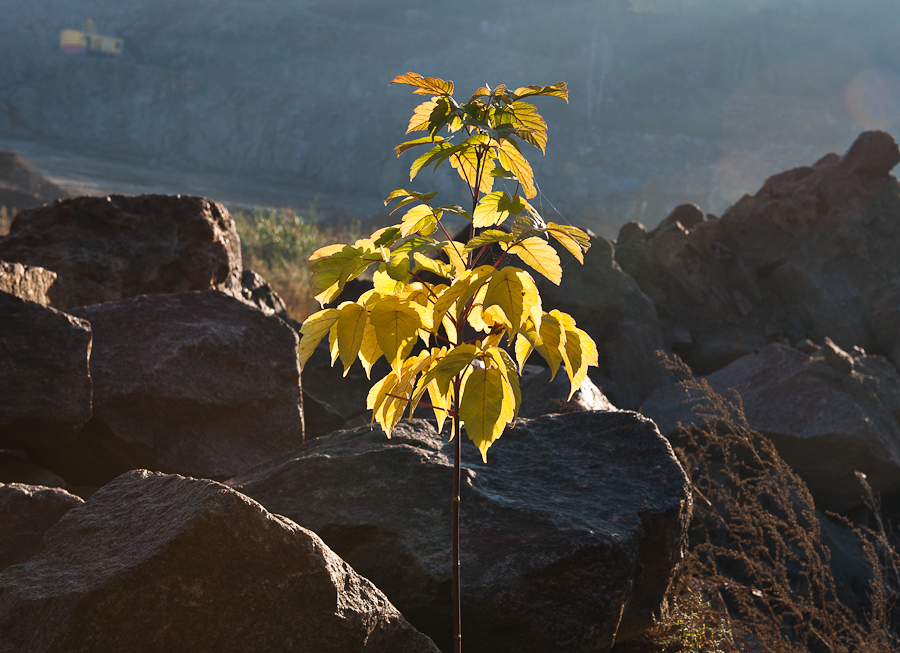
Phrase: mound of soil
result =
(21, 186)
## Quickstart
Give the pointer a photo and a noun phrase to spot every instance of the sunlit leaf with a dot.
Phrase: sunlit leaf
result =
(351, 325)
(439, 268)
(313, 329)
(489, 213)
(420, 117)
(485, 408)
(573, 239)
(512, 290)
(487, 237)
(425, 85)
(419, 219)
(552, 344)
(396, 325)
(557, 90)
(408, 145)
(512, 159)
(456, 360)
(541, 256)
(369, 351)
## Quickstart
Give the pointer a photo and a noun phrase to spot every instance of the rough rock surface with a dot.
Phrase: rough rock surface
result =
(196, 383)
(21, 186)
(26, 512)
(541, 396)
(110, 248)
(826, 422)
(44, 375)
(166, 563)
(26, 281)
(257, 292)
(570, 536)
(621, 319)
(811, 255)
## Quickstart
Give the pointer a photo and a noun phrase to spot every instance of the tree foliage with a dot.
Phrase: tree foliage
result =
(477, 322)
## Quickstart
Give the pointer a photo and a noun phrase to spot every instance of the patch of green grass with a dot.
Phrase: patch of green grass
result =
(277, 243)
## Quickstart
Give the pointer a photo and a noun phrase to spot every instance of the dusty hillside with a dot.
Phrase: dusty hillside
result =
(698, 103)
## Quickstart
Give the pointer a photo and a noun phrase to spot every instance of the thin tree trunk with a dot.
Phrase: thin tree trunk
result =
(457, 612)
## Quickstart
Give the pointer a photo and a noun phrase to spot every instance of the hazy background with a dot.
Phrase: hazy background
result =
(671, 100)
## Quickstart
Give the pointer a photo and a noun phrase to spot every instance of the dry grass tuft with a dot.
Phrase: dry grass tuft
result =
(757, 575)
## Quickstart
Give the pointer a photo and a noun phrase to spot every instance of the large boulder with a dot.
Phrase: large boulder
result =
(110, 248)
(44, 375)
(829, 414)
(195, 383)
(26, 281)
(571, 534)
(810, 255)
(621, 319)
(27, 512)
(166, 563)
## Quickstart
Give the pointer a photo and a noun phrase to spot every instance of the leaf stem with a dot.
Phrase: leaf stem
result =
(454, 553)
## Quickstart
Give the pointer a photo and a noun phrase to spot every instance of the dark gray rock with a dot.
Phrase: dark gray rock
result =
(26, 281)
(256, 291)
(197, 383)
(811, 255)
(166, 563)
(44, 376)
(571, 533)
(826, 421)
(886, 327)
(22, 186)
(27, 512)
(110, 248)
(541, 396)
(621, 319)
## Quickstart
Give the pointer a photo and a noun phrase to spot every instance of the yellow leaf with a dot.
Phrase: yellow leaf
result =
(510, 374)
(385, 283)
(449, 296)
(474, 158)
(313, 330)
(351, 326)
(488, 212)
(421, 116)
(419, 219)
(513, 160)
(453, 251)
(588, 349)
(541, 256)
(441, 404)
(530, 125)
(476, 319)
(456, 360)
(333, 344)
(485, 408)
(478, 278)
(425, 85)
(396, 325)
(523, 350)
(333, 266)
(552, 343)
(513, 291)
(369, 351)
(576, 244)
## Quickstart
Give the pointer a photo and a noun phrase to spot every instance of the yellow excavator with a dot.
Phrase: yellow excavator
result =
(88, 41)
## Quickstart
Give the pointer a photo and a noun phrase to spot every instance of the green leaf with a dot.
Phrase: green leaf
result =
(487, 237)
(425, 85)
(313, 330)
(332, 267)
(440, 117)
(485, 408)
(434, 154)
(541, 256)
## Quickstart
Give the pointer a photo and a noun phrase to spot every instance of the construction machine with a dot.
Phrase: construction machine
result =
(88, 41)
